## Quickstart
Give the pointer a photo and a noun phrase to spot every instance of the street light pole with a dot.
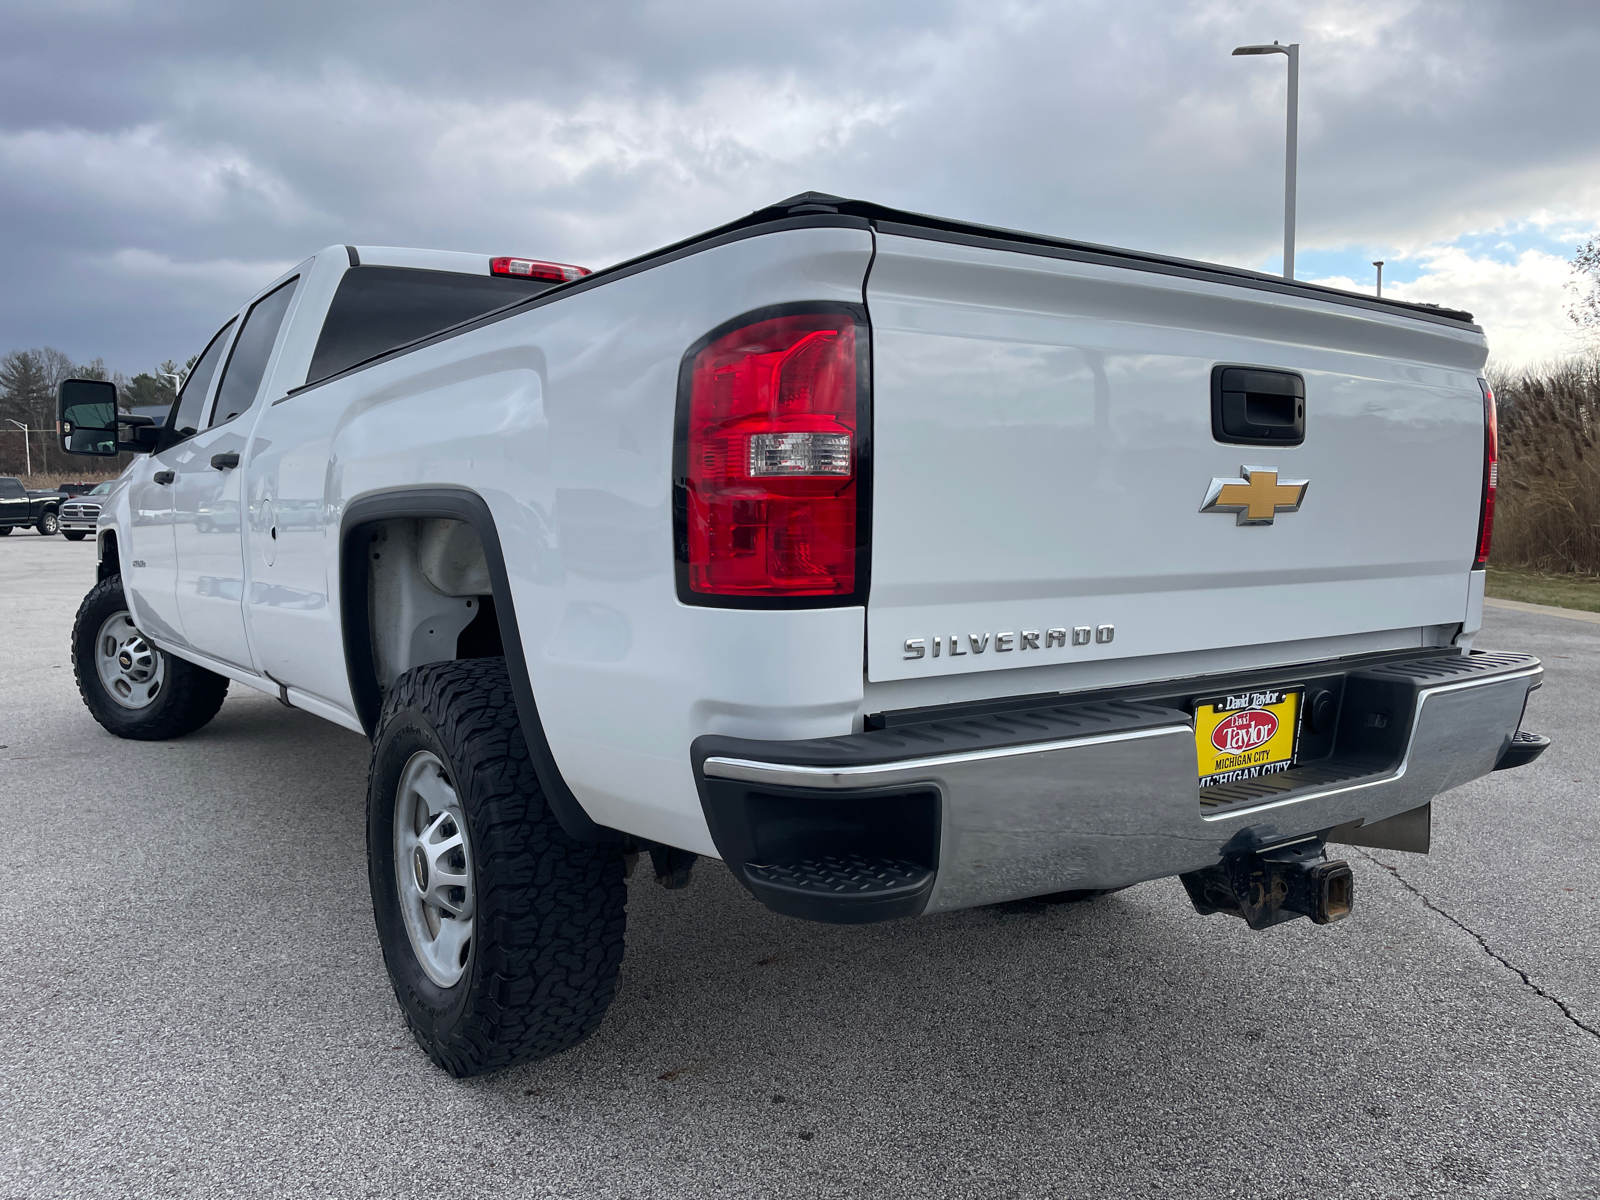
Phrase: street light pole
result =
(27, 449)
(1291, 155)
(1379, 265)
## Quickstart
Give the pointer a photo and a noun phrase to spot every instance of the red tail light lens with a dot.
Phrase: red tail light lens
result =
(1491, 472)
(532, 268)
(772, 460)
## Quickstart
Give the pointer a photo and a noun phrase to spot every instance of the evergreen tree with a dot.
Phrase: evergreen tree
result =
(25, 387)
(24, 393)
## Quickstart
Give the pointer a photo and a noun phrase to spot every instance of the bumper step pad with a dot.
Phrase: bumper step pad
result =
(843, 875)
(1524, 748)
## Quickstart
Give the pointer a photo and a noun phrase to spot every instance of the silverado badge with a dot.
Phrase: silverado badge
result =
(1257, 497)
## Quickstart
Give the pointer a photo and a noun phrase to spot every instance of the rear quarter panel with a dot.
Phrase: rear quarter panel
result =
(562, 419)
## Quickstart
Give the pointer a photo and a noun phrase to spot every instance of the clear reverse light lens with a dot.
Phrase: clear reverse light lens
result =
(799, 454)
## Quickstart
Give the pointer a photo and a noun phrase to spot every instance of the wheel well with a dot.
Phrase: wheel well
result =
(423, 579)
(108, 563)
(429, 596)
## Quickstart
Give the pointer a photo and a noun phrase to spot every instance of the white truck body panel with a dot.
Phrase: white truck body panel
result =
(1044, 445)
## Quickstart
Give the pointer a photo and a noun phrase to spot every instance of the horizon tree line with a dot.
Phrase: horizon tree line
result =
(29, 380)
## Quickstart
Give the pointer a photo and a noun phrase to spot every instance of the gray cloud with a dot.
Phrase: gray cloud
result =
(158, 160)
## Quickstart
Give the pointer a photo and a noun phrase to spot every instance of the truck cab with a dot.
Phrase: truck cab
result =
(182, 511)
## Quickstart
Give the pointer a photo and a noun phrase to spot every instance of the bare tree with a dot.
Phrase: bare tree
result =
(1585, 309)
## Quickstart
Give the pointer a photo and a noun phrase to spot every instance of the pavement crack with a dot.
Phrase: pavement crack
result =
(1487, 948)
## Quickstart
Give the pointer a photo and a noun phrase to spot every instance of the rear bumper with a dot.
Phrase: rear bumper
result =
(1090, 795)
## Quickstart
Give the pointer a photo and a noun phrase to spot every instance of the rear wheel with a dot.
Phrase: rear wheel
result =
(49, 522)
(502, 934)
(75, 535)
(5, 531)
(134, 689)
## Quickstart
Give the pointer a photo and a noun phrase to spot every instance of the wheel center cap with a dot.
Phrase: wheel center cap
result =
(125, 661)
(419, 868)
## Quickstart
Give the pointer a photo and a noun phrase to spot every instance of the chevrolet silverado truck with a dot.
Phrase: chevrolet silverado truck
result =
(904, 565)
(21, 507)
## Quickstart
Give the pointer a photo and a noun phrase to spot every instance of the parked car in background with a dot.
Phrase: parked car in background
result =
(78, 516)
(19, 507)
(80, 489)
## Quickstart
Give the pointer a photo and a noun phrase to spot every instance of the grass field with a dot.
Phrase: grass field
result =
(1536, 587)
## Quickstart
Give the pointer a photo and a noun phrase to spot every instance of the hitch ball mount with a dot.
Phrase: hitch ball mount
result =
(1269, 887)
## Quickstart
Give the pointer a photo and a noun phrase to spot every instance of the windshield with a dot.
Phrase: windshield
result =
(102, 489)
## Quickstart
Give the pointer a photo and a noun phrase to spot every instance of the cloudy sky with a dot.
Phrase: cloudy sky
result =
(161, 160)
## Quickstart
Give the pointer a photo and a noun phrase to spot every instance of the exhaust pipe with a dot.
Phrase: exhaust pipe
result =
(1269, 887)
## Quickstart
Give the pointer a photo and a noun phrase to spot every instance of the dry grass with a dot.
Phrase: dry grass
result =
(42, 480)
(1547, 514)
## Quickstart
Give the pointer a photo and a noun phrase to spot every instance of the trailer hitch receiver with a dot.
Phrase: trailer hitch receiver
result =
(1268, 887)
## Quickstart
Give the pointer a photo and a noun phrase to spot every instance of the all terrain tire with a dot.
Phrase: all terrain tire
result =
(134, 689)
(502, 934)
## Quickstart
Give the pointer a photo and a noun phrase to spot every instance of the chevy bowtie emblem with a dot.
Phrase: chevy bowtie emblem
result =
(1256, 498)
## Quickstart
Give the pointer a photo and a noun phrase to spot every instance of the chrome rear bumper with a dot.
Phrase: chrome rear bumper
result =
(1101, 795)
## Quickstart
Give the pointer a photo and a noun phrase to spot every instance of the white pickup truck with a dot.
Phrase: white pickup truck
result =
(902, 564)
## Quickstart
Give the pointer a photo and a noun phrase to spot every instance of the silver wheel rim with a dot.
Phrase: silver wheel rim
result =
(433, 868)
(130, 668)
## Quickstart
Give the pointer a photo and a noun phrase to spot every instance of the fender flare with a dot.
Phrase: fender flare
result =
(455, 504)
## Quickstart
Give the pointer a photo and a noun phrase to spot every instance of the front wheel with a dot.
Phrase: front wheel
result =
(502, 934)
(132, 687)
(5, 530)
(49, 522)
(75, 535)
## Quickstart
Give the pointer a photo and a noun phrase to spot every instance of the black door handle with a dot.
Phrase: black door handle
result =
(1258, 406)
(163, 477)
(225, 462)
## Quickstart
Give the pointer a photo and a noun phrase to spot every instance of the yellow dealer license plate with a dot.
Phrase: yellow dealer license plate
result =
(1246, 734)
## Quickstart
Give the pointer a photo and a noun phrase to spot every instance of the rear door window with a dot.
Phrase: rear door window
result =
(241, 379)
(186, 412)
(379, 308)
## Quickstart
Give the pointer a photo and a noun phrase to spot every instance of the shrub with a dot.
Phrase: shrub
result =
(1548, 508)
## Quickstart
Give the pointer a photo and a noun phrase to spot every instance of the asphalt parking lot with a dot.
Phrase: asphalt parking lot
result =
(194, 1003)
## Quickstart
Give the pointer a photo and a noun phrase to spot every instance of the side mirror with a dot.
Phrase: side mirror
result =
(87, 420)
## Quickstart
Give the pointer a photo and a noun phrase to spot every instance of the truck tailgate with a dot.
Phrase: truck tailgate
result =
(1043, 445)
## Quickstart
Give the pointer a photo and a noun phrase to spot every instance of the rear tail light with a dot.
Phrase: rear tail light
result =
(769, 480)
(1491, 472)
(532, 268)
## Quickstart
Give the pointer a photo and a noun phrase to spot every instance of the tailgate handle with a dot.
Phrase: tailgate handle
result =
(1258, 406)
